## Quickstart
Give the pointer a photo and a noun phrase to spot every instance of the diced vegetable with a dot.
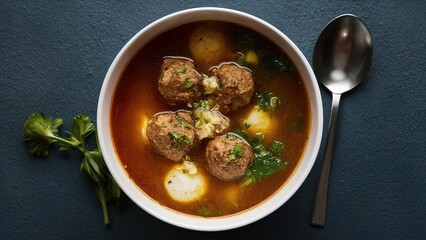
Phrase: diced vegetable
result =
(252, 58)
(210, 84)
(208, 123)
(206, 104)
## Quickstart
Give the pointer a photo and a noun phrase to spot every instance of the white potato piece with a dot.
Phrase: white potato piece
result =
(208, 46)
(260, 122)
(184, 183)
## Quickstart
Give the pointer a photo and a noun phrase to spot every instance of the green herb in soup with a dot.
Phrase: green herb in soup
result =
(267, 101)
(267, 162)
(254, 49)
(175, 121)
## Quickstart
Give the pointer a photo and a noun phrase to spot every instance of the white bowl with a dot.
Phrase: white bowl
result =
(184, 220)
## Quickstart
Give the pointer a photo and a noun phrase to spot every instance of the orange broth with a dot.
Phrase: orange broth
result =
(136, 99)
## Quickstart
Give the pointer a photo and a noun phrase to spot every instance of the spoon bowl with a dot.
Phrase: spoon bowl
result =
(342, 54)
(341, 60)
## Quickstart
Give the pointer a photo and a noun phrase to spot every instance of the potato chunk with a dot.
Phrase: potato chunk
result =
(208, 46)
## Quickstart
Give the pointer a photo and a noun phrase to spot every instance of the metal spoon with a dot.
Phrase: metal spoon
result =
(341, 60)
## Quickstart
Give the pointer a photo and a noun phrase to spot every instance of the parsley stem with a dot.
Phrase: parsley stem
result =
(101, 196)
(82, 150)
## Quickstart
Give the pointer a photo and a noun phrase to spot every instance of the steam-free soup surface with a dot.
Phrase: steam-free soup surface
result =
(137, 99)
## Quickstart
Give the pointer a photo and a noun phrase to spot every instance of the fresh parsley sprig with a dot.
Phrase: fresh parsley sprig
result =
(40, 132)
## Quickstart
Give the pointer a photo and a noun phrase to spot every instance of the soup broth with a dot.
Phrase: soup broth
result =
(137, 99)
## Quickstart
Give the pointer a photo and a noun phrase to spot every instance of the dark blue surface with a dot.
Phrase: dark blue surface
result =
(53, 58)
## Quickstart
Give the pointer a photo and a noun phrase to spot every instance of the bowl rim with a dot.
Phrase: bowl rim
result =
(171, 216)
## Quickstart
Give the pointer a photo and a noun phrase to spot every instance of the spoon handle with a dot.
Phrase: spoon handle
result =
(318, 216)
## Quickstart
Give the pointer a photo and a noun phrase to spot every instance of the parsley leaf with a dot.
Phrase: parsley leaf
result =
(81, 128)
(207, 212)
(231, 137)
(183, 71)
(188, 83)
(206, 104)
(296, 126)
(269, 59)
(267, 161)
(279, 63)
(41, 131)
(237, 153)
(277, 148)
(182, 120)
(267, 102)
(178, 138)
(241, 133)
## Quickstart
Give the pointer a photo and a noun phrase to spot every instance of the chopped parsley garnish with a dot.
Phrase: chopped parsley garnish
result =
(182, 120)
(269, 60)
(179, 138)
(296, 126)
(237, 153)
(241, 60)
(206, 104)
(185, 69)
(196, 90)
(188, 83)
(247, 125)
(231, 137)
(267, 161)
(219, 84)
(207, 212)
(267, 102)
(241, 133)
(279, 63)
(276, 148)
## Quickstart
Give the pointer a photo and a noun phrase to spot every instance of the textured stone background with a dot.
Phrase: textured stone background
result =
(53, 58)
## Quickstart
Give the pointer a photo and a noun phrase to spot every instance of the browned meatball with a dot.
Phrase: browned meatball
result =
(228, 157)
(179, 81)
(171, 134)
(236, 87)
